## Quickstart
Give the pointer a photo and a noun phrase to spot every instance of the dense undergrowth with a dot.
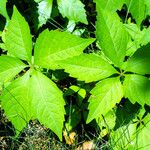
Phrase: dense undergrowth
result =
(74, 74)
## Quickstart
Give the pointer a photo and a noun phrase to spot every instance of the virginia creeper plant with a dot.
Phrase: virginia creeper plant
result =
(33, 95)
(120, 70)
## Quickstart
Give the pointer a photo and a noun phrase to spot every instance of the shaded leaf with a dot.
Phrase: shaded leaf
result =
(139, 62)
(123, 137)
(44, 11)
(137, 89)
(73, 10)
(143, 138)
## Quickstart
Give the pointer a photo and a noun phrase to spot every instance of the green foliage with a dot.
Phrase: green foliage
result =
(130, 81)
(3, 10)
(114, 34)
(19, 33)
(137, 9)
(133, 135)
(73, 10)
(105, 95)
(10, 67)
(136, 88)
(111, 5)
(139, 62)
(93, 65)
(44, 11)
(112, 85)
(33, 95)
(54, 52)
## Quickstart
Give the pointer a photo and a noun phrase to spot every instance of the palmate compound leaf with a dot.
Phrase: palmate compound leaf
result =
(112, 36)
(34, 96)
(140, 61)
(52, 46)
(137, 89)
(111, 5)
(3, 10)
(73, 10)
(104, 97)
(87, 67)
(9, 68)
(18, 39)
(44, 11)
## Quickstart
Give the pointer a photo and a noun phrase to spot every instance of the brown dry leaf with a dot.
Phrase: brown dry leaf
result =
(88, 145)
(69, 137)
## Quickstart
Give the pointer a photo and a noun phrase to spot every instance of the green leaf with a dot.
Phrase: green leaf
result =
(139, 62)
(73, 10)
(108, 121)
(104, 97)
(111, 5)
(87, 67)
(74, 118)
(126, 114)
(16, 102)
(62, 45)
(112, 36)
(44, 11)
(143, 138)
(137, 9)
(139, 37)
(135, 33)
(3, 10)
(18, 38)
(34, 96)
(131, 48)
(47, 102)
(147, 3)
(137, 89)
(123, 137)
(146, 37)
(9, 68)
